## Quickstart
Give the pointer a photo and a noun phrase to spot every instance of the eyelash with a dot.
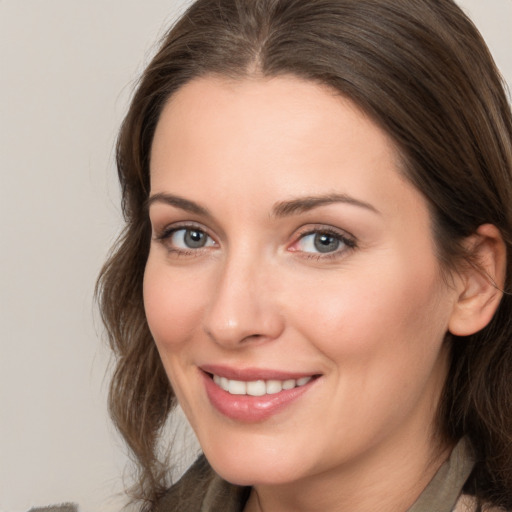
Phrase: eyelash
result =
(164, 236)
(348, 241)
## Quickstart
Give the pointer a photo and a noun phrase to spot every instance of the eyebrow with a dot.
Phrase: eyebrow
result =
(178, 202)
(280, 209)
(304, 204)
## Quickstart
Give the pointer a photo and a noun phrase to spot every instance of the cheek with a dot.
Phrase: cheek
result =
(382, 335)
(173, 306)
(172, 303)
(374, 315)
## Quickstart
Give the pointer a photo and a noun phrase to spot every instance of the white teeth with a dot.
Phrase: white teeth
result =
(303, 381)
(289, 384)
(237, 387)
(258, 387)
(274, 386)
(224, 383)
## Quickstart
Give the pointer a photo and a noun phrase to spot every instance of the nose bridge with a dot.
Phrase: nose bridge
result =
(242, 306)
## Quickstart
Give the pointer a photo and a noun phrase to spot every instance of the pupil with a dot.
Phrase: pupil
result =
(194, 239)
(326, 243)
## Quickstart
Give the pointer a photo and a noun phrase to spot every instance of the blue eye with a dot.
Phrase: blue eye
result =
(189, 238)
(323, 242)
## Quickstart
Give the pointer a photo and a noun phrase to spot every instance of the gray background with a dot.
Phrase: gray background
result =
(67, 68)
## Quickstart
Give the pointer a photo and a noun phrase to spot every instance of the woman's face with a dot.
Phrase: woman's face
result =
(292, 286)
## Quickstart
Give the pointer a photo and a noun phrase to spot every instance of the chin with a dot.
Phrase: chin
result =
(259, 467)
(252, 474)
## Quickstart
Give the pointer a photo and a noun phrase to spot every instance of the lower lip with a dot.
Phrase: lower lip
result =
(251, 409)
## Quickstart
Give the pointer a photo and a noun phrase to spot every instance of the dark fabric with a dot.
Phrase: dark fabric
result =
(202, 490)
(65, 507)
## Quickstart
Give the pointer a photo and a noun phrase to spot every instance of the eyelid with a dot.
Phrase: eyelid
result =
(164, 235)
(167, 230)
(349, 241)
(324, 228)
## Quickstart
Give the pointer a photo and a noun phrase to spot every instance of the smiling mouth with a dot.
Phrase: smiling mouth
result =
(253, 394)
(259, 387)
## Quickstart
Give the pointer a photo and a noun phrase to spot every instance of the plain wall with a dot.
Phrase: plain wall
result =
(66, 72)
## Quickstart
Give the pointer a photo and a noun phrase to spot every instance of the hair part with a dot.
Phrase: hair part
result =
(422, 72)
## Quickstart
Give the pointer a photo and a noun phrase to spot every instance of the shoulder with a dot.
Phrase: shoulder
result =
(189, 490)
(202, 490)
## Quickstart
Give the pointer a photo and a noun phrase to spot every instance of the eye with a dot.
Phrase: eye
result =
(186, 239)
(190, 238)
(319, 242)
(323, 241)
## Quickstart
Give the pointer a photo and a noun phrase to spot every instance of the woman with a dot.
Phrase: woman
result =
(316, 260)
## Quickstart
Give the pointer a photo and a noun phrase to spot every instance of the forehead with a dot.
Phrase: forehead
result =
(263, 138)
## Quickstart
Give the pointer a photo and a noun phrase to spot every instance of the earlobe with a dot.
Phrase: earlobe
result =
(481, 284)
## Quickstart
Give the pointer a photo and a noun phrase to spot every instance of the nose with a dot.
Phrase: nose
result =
(244, 306)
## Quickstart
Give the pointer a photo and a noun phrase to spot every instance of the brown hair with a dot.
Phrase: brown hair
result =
(421, 70)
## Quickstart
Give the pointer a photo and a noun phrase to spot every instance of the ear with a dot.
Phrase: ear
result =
(481, 285)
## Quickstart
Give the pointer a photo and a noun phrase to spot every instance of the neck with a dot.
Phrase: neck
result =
(361, 487)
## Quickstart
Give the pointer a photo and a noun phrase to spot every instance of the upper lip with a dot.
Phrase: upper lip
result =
(252, 374)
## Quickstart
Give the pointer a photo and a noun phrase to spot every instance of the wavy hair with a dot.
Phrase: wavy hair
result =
(422, 72)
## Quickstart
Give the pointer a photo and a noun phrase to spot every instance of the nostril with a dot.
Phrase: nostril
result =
(252, 337)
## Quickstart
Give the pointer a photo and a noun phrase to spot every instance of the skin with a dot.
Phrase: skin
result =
(369, 317)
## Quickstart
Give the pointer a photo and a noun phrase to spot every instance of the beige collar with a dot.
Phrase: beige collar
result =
(444, 490)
